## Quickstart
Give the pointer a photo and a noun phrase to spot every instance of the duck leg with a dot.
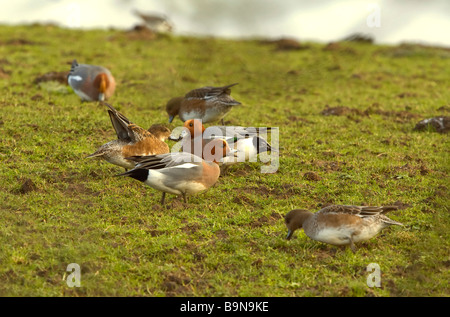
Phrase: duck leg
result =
(352, 245)
(163, 198)
(184, 198)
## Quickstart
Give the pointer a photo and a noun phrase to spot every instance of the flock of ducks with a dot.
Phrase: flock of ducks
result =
(205, 152)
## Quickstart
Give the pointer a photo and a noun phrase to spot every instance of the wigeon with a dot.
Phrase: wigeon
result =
(155, 22)
(90, 82)
(340, 224)
(246, 141)
(160, 131)
(179, 173)
(132, 140)
(207, 103)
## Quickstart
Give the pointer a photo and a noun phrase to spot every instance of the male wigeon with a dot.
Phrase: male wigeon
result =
(207, 103)
(246, 141)
(132, 140)
(179, 173)
(91, 82)
(340, 224)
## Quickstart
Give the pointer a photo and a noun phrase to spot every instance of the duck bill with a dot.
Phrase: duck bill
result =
(173, 138)
(96, 154)
(289, 234)
(171, 119)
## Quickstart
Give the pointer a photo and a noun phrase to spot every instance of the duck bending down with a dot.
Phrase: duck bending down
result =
(340, 224)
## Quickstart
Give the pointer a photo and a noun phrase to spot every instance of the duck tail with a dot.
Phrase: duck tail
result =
(392, 222)
(139, 174)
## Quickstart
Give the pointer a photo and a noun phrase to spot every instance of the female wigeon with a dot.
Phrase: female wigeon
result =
(207, 103)
(90, 82)
(246, 141)
(340, 224)
(160, 131)
(179, 173)
(132, 140)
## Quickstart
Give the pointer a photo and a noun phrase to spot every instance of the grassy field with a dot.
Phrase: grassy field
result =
(58, 208)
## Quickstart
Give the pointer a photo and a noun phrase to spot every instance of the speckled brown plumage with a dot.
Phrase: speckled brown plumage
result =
(132, 140)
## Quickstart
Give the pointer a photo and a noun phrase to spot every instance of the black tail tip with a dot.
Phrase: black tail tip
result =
(139, 174)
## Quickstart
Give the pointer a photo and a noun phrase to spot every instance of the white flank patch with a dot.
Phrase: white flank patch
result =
(190, 115)
(193, 187)
(155, 180)
(336, 236)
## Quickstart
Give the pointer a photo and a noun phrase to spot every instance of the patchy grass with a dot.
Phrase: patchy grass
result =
(58, 207)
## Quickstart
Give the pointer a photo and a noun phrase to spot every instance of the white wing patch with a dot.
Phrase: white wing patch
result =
(76, 77)
(187, 165)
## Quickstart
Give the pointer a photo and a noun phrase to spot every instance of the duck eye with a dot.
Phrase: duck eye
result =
(191, 124)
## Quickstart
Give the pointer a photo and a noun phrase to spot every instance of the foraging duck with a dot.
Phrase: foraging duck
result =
(246, 141)
(160, 131)
(340, 224)
(132, 140)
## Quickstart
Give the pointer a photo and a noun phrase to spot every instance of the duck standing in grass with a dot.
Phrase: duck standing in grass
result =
(91, 82)
(340, 224)
(179, 173)
(246, 141)
(132, 140)
(207, 103)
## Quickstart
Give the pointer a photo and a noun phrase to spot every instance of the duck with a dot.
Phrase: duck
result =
(157, 23)
(132, 140)
(91, 82)
(340, 224)
(207, 103)
(160, 131)
(247, 142)
(178, 173)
